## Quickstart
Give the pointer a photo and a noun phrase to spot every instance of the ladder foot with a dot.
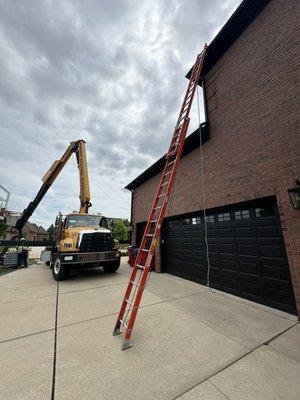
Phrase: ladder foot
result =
(116, 331)
(126, 345)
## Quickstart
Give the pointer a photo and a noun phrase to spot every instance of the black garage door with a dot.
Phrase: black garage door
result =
(246, 251)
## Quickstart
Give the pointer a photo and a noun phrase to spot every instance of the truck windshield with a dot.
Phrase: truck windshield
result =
(77, 220)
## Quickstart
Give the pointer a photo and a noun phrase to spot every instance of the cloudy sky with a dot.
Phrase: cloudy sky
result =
(109, 71)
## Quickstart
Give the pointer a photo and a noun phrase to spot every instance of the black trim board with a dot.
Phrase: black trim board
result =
(246, 12)
(191, 143)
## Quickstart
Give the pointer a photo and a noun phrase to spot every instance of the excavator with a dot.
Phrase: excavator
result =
(80, 239)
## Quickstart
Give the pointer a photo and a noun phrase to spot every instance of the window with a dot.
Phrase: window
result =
(80, 220)
(224, 217)
(244, 214)
(196, 221)
(264, 212)
(209, 218)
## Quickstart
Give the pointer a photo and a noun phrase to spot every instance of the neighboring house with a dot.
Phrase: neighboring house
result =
(250, 159)
(30, 231)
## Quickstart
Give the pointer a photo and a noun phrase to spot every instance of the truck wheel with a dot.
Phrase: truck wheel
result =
(112, 266)
(59, 272)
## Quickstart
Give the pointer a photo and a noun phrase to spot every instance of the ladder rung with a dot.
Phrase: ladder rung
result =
(145, 249)
(161, 195)
(185, 107)
(165, 183)
(167, 173)
(172, 152)
(123, 323)
(128, 302)
(188, 97)
(156, 208)
(140, 266)
(180, 118)
(149, 234)
(152, 221)
(170, 163)
(134, 283)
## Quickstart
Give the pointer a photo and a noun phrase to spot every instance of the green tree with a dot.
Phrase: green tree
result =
(3, 227)
(119, 230)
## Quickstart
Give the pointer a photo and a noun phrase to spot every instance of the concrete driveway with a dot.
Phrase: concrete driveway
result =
(189, 342)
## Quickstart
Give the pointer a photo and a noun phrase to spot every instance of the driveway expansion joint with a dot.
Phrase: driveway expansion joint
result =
(234, 362)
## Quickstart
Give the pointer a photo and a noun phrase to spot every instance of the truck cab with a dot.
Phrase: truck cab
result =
(83, 240)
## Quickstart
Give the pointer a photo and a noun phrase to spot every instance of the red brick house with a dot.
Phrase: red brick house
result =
(251, 156)
(31, 231)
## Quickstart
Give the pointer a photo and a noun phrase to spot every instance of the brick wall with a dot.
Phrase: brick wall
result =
(254, 149)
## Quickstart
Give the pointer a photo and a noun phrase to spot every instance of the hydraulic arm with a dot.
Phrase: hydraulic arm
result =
(77, 147)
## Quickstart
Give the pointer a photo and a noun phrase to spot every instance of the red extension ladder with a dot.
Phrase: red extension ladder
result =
(141, 269)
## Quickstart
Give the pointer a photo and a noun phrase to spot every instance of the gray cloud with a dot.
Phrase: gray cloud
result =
(111, 72)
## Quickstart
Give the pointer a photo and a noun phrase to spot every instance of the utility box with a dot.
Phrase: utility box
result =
(45, 255)
(10, 259)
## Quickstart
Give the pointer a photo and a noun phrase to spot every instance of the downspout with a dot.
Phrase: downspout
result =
(131, 216)
(204, 99)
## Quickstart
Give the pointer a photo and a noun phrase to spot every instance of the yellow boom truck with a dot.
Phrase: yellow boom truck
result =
(80, 239)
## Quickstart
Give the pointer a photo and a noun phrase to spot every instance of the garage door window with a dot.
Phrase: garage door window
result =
(196, 221)
(243, 214)
(210, 218)
(264, 212)
(224, 217)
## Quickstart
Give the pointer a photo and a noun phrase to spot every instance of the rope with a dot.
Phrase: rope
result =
(203, 193)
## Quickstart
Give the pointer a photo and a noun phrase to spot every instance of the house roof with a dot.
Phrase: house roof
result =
(246, 12)
(191, 143)
(35, 228)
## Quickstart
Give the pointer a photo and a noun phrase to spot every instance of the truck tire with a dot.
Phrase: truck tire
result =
(59, 272)
(112, 266)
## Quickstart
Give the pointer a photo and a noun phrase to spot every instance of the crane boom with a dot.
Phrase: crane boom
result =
(77, 147)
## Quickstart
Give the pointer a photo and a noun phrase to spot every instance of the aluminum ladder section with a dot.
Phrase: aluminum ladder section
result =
(141, 269)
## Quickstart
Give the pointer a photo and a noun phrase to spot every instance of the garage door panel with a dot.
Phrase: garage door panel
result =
(228, 263)
(251, 287)
(274, 271)
(246, 251)
(272, 231)
(226, 233)
(229, 248)
(250, 268)
(274, 251)
(211, 233)
(247, 232)
(213, 247)
(224, 281)
(277, 296)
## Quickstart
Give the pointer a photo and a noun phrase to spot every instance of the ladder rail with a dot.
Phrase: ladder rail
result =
(146, 252)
